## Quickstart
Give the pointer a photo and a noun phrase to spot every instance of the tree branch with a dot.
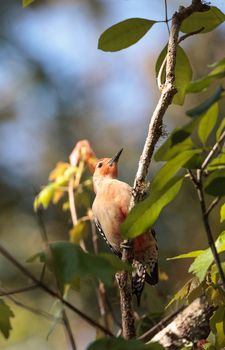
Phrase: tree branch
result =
(189, 326)
(154, 133)
(213, 151)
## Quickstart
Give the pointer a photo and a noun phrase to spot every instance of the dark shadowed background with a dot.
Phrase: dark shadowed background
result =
(57, 88)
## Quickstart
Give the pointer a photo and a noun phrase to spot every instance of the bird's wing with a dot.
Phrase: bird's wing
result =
(98, 225)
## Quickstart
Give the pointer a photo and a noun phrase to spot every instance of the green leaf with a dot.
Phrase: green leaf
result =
(124, 34)
(204, 106)
(215, 183)
(208, 19)
(183, 73)
(170, 169)
(163, 190)
(71, 262)
(203, 261)
(192, 254)
(208, 122)
(144, 214)
(122, 344)
(202, 84)
(222, 213)
(217, 163)
(217, 326)
(27, 2)
(5, 315)
(177, 142)
(220, 130)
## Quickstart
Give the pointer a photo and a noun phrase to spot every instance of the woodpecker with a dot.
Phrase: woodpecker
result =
(110, 209)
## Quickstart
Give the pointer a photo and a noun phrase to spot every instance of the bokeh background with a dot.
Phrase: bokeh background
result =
(57, 88)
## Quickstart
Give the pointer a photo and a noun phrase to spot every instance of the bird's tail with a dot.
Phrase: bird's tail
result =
(140, 276)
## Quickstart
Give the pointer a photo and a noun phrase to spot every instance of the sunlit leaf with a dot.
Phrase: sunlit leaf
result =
(215, 183)
(208, 122)
(217, 163)
(202, 263)
(192, 254)
(217, 326)
(27, 2)
(5, 315)
(204, 106)
(208, 19)
(124, 34)
(183, 73)
(71, 262)
(222, 213)
(220, 129)
(58, 170)
(144, 214)
(44, 197)
(122, 344)
(170, 169)
(78, 232)
(202, 84)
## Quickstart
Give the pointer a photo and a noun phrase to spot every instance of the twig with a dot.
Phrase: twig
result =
(212, 205)
(154, 132)
(101, 291)
(185, 36)
(49, 250)
(160, 325)
(18, 290)
(35, 311)
(212, 153)
(52, 292)
(205, 218)
(166, 15)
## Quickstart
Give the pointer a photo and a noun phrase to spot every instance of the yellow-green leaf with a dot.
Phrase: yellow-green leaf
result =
(203, 261)
(27, 2)
(124, 34)
(208, 19)
(207, 122)
(78, 232)
(222, 213)
(44, 197)
(192, 254)
(144, 214)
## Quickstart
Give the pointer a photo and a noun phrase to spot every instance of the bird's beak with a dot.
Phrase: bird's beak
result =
(116, 157)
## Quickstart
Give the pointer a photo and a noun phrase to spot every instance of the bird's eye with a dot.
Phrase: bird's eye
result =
(100, 165)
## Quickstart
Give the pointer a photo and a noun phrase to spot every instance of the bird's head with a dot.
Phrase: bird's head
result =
(107, 167)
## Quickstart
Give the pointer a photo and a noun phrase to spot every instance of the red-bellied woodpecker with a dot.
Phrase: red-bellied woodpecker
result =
(110, 209)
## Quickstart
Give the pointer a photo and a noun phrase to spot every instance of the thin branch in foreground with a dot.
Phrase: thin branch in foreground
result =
(154, 133)
(52, 292)
(213, 151)
(35, 311)
(18, 290)
(212, 205)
